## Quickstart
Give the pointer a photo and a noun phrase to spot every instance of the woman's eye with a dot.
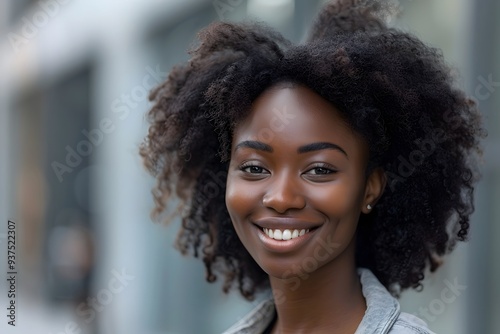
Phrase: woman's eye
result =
(321, 170)
(253, 169)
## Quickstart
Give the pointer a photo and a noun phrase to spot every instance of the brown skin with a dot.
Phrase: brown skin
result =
(314, 282)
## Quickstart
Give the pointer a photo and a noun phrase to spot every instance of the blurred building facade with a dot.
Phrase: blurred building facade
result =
(73, 95)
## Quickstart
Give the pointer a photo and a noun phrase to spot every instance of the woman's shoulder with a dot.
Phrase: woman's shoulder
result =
(256, 320)
(409, 324)
(383, 314)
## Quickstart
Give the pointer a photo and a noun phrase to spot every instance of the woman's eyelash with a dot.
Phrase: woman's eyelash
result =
(244, 166)
(327, 167)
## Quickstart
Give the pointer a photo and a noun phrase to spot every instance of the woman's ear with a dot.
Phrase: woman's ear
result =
(375, 185)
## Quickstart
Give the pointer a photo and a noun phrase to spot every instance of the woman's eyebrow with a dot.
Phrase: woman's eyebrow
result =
(321, 146)
(256, 145)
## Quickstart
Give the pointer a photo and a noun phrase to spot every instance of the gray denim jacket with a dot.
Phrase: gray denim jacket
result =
(382, 316)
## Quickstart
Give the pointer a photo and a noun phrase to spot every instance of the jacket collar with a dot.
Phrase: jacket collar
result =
(381, 313)
(382, 309)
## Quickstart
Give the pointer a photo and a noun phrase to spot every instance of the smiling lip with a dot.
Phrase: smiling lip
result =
(283, 223)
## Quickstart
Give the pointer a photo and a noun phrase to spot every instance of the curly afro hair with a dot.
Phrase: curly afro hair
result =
(395, 91)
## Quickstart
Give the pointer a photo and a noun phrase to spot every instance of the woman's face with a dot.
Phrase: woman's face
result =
(296, 183)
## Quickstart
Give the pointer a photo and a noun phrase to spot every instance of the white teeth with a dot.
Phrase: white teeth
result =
(270, 234)
(284, 235)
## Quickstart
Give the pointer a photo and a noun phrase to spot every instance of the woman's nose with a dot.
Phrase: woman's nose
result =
(284, 194)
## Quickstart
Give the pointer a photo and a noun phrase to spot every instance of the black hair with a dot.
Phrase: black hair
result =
(394, 90)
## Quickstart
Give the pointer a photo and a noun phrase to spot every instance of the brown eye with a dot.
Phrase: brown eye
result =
(322, 169)
(253, 169)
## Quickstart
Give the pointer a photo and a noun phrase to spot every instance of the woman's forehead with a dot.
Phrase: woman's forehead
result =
(295, 115)
(293, 105)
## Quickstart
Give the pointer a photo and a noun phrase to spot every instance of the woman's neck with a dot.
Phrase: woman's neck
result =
(329, 300)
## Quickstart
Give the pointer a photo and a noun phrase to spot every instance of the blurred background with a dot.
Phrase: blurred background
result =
(74, 77)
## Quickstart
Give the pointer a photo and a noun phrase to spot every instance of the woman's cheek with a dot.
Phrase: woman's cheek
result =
(238, 198)
(337, 199)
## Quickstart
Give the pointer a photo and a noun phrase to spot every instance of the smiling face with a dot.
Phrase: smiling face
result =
(297, 183)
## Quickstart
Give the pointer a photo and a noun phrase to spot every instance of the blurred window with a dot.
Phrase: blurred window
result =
(18, 8)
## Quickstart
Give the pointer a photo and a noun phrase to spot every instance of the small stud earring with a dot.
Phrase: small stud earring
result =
(369, 207)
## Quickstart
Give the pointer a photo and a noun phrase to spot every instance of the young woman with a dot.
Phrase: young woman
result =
(333, 173)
